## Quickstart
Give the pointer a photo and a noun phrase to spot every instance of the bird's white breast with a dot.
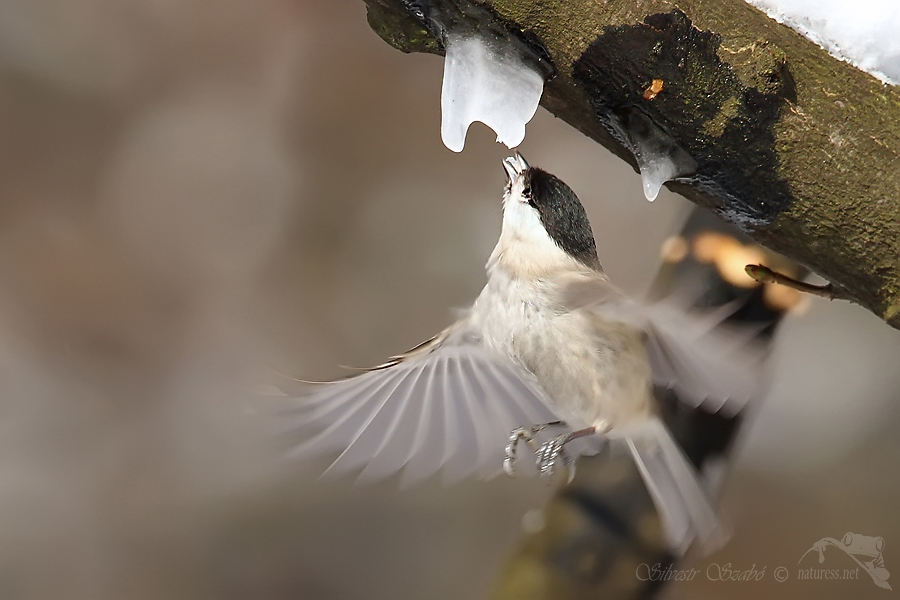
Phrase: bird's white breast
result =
(594, 372)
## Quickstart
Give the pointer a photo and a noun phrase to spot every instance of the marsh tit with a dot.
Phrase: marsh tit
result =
(550, 347)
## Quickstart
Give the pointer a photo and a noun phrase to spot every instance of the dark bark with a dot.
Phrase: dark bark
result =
(797, 148)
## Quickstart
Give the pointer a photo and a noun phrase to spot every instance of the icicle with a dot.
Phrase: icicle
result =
(488, 83)
(655, 171)
(659, 158)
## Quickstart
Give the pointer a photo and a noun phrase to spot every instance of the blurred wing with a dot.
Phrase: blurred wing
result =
(706, 361)
(447, 406)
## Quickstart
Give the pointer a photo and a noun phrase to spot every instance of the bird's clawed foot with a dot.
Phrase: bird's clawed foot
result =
(527, 434)
(549, 453)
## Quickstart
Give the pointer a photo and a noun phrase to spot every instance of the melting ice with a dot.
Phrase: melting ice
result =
(655, 171)
(659, 158)
(486, 83)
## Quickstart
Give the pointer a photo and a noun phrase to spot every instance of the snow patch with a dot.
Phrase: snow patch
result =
(490, 83)
(862, 32)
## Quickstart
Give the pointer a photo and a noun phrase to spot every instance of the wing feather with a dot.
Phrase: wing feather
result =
(462, 405)
(452, 420)
(369, 437)
(450, 408)
(425, 453)
(399, 436)
(484, 413)
(339, 422)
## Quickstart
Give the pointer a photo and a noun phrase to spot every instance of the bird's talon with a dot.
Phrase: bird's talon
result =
(515, 436)
(548, 454)
(570, 473)
(520, 433)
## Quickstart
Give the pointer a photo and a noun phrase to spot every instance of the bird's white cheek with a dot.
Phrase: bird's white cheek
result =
(522, 220)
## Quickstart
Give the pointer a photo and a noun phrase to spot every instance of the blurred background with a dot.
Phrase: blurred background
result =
(194, 195)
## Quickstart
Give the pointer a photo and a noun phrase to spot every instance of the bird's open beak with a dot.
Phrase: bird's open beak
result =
(514, 166)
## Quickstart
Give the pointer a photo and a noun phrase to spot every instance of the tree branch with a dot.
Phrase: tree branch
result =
(797, 148)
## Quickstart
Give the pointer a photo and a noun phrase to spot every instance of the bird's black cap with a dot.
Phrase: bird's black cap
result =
(562, 215)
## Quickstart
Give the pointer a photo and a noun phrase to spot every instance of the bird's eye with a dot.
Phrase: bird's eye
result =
(526, 193)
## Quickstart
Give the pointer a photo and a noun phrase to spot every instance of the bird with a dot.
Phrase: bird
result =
(550, 347)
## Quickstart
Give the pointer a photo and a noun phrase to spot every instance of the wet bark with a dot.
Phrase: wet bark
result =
(798, 149)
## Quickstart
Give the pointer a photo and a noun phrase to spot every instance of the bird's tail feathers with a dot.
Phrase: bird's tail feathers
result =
(685, 510)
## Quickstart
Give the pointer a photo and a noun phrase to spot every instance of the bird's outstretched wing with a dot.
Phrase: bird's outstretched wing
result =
(706, 362)
(447, 404)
